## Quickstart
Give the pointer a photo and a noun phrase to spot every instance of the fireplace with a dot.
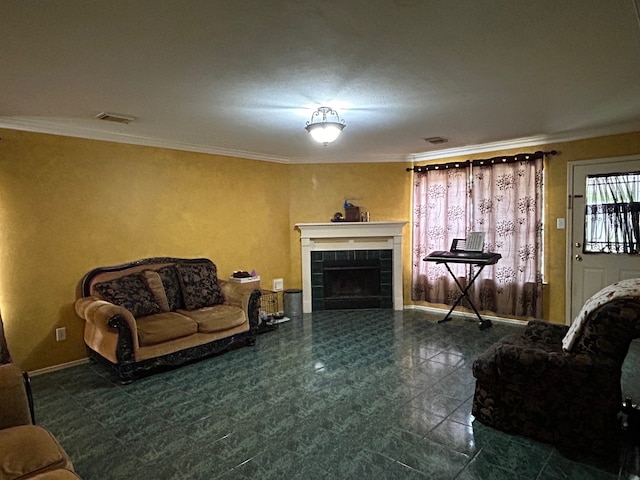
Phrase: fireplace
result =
(351, 284)
(343, 279)
(357, 253)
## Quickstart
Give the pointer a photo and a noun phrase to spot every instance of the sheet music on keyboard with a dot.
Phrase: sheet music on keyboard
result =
(474, 242)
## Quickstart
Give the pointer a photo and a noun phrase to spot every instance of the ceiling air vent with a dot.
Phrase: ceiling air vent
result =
(436, 140)
(115, 117)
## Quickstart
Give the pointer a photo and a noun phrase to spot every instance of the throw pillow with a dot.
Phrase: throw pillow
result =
(130, 292)
(199, 284)
(154, 282)
(171, 283)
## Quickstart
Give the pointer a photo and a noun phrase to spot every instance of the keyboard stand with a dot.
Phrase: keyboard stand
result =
(464, 291)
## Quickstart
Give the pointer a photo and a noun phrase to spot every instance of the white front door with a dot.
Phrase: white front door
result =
(590, 272)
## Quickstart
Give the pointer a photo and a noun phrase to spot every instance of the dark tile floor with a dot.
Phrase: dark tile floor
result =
(360, 394)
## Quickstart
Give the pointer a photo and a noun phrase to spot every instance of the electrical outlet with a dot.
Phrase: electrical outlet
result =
(61, 334)
(278, 284)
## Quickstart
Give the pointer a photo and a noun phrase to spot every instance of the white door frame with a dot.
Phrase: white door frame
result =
(569, 222)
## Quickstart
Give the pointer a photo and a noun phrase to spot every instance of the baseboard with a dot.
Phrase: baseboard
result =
(55, 368)
(471, 315)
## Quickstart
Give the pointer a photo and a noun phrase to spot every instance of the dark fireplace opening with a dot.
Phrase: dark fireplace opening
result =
(351, 284)
(351, 279)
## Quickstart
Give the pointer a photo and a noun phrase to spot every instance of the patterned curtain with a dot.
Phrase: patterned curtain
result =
(505, 202)
(507, 206)
(441, 210)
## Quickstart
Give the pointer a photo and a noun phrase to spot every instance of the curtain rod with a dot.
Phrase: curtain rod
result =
(520, 157)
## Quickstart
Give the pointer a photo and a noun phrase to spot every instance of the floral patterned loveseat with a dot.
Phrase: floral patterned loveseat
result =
(162, 312)
(561, 385)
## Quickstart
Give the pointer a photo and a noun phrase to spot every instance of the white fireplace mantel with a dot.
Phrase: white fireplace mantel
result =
(351, 236)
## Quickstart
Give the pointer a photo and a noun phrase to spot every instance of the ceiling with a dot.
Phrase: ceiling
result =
(242, 77)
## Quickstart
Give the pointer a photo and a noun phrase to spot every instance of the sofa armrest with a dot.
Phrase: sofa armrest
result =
(518, 354)
(244, 296)
(544, 365)
(112, 327)
(610, 328)
(538, 331)
(101, 313)
(14, 403)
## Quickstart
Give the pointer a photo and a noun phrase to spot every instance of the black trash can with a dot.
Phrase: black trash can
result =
(292, 302)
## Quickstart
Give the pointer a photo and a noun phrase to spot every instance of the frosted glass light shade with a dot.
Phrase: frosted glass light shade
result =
(325, 132)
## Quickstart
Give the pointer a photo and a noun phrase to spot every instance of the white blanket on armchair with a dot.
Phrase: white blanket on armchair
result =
(623, 289)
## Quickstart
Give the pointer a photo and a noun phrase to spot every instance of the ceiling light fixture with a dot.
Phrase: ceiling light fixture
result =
(321, 129)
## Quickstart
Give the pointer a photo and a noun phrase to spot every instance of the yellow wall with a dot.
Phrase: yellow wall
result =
(68, 205)
(318, 191)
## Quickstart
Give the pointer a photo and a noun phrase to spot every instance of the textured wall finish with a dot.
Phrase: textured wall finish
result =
(68, 205)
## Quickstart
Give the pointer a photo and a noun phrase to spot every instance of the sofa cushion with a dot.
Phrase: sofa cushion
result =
(163, 327)
(29, 448)
(130, 292)
(171, 283)
(199, 283)
(154, 282)
(216, 318)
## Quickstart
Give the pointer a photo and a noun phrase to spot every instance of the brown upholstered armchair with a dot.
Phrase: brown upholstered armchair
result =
(530, 385)
(26, 450)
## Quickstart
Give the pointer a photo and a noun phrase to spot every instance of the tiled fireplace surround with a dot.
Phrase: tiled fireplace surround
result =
(367, 270)
(351, 237)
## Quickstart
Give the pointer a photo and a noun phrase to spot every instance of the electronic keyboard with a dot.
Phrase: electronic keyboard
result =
(478, 258)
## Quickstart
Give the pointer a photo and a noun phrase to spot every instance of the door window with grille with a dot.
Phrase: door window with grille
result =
(612, 211)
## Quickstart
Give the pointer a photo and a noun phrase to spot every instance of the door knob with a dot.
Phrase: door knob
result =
(579, 258)
(577, 244)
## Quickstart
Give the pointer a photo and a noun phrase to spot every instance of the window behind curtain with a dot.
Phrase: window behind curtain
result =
(505, 202)
(441, 213)
(507, 205)
(612, 211)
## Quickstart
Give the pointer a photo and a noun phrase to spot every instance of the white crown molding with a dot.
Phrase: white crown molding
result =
(486, 147)
(53, 127)
(386, 158)
(534, 141)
